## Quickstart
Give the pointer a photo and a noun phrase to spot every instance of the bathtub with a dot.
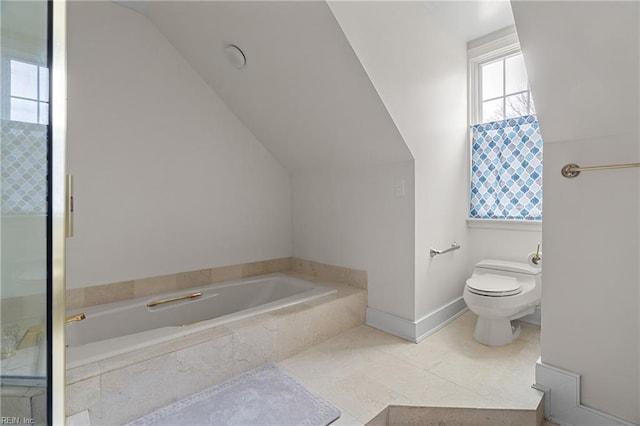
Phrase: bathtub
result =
(120, 327)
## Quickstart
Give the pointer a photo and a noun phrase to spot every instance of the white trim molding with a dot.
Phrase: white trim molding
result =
(416, 331)
(562, 399)
(506, 224)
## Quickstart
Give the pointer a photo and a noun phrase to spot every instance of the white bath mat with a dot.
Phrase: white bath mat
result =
(261, 397)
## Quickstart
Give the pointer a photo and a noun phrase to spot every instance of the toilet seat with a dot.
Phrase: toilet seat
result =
(493, 285)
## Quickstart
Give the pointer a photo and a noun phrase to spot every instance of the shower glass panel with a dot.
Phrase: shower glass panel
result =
(24, 132)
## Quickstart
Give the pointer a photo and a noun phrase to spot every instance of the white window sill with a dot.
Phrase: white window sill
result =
(513, 225)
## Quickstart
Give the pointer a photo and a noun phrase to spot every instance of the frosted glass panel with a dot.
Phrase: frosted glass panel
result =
(23, 218)
(492, 80)
(516, 74)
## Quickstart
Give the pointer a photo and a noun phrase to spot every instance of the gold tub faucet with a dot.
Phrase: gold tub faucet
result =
(77, 317)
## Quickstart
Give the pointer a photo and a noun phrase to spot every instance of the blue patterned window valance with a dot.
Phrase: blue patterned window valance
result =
(506, 169)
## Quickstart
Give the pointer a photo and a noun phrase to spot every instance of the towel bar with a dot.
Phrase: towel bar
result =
(434, 252)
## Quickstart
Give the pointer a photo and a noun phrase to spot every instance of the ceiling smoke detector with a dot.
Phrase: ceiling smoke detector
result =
(235, 56)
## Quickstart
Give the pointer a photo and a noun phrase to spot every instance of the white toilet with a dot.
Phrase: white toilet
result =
(500, 291)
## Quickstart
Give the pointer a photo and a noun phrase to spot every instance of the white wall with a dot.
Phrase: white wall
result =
(503, 242)
(584, 71)
(167, 178)
(419, 70)
(353, 218)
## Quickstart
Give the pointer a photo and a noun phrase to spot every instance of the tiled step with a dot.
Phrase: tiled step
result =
(454, 416)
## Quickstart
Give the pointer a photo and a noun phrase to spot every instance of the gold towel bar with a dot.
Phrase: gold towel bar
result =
(573, 170)
(173, 299)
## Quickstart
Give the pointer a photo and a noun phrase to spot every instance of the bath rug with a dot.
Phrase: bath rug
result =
(261, 397)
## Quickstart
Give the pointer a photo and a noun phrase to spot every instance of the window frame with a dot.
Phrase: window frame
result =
(482, 52)
(493, 47)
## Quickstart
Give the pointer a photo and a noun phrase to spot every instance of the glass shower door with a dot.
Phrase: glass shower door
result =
(24, 229)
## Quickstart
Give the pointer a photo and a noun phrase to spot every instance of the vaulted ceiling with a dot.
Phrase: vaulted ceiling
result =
(303, 92)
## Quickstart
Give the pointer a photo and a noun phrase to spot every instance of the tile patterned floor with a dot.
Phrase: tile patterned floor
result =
(364, 370)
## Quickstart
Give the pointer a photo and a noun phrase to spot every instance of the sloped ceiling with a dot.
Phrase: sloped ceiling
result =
(303, 92)
(470, 20)
(585, 86)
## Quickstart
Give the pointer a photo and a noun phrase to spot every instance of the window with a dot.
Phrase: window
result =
(28, 93)
(506, 146)
(504, 89)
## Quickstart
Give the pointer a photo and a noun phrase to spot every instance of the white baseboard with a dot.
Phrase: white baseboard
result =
(415, 331)
(562, 399)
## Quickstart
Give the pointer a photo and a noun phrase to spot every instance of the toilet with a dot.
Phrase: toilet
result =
(500, 291)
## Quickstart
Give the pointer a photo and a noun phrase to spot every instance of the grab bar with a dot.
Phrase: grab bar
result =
(434, 252)
(173, 299)
(573, 170)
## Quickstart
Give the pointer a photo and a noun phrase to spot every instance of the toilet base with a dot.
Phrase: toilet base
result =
(496, 332)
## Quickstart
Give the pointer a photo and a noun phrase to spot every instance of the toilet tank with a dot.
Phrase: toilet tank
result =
(506, 267)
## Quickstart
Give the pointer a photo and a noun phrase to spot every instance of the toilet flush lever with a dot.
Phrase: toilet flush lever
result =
(538, 256)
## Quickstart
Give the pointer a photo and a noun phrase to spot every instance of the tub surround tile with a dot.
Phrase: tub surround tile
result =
(255, 342)
(138, 389)
(353, 277)
(84, 372)
(203, 365)
(303, 266)
(84, 395)
(75, 298)
(282, 264)
(327, 320)
(154, 285)
(201, 337)
(354, 310)
(357, 278)
(337, 315)
(226, 273)
(295, 330)
(193, 278)
(108, 293)
(121, 361)
(162, 373)
(113, 292)
(254, 268)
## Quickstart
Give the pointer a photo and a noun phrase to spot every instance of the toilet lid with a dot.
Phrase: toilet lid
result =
(493, 285)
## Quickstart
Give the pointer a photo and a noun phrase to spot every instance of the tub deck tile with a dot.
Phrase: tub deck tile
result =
(133, 391)
(130, 385)
(203, 365)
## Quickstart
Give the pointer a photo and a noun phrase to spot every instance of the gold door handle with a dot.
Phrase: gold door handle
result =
(68, 214)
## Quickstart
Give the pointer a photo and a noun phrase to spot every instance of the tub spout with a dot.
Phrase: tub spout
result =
(77, 317)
